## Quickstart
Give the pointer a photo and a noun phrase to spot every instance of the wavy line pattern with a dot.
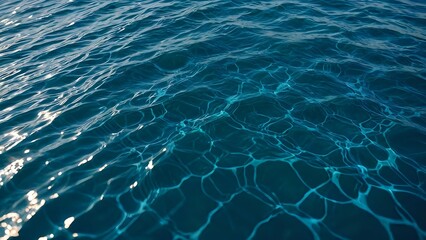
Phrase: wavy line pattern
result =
(213, 119)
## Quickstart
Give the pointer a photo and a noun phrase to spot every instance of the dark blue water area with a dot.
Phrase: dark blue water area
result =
(212, 119)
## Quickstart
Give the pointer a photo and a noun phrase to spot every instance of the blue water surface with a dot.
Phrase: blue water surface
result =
(130, 119)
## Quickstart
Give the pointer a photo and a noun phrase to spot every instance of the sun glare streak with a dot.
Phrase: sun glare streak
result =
(12, 222)
(68, 222)
(12, 139)
(10, 170)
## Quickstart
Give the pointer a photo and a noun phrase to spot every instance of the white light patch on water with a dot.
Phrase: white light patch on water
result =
(103, 167)
(11, 231)
(48, 116)
(10, 170)
(76, 136)
(68, 222)
(50, 236)
(48, 76)
(12, 222)
(84, 161)
(7, 21)
(11, 139)
(150, 165)
(8, 109)
(32, 195)
(151, 160)
(134, 185)
(56, 195)
(34, 204)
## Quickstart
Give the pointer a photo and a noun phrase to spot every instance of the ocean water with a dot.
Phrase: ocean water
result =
(212, 119)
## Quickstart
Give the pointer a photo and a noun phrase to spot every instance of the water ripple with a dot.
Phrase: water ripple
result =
(212, 119)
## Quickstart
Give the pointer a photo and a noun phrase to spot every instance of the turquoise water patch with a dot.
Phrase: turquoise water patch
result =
(212, 119)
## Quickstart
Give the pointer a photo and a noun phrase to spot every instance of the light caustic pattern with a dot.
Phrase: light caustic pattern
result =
(212, 119)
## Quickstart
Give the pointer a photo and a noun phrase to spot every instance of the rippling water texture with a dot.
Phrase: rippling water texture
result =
(213, 119)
